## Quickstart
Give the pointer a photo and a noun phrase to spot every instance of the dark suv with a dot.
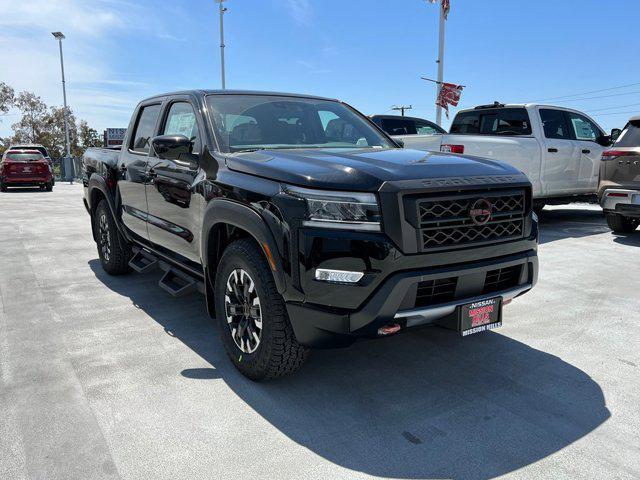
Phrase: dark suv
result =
(307, 226)
(619, 190)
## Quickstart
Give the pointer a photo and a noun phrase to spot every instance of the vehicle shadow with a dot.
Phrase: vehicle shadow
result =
(425, 404)
(631, 239)
(561, 223)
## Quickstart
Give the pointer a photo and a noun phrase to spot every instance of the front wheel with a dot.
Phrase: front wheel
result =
(113, 250)
(621, 224)
(49, 186)
(252, 317)
(3, 187)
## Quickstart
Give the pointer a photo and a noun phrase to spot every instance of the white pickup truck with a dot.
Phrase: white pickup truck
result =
(559, 149)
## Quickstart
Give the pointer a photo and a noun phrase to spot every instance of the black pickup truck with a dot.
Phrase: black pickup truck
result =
(305, 225)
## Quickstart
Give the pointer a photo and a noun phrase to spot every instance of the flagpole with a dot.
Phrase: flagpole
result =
(440, 62)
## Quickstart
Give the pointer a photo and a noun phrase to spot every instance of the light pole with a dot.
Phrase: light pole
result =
(443, 22)
(222, 9)
(67, 161)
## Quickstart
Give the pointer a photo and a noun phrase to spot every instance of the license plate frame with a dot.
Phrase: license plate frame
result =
(480, 316)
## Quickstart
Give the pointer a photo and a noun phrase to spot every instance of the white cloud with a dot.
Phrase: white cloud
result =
(300, 10)
(30, 60)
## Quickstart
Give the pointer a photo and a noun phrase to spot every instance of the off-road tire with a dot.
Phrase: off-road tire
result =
(278, 352)
(621, 224)
(115, 260)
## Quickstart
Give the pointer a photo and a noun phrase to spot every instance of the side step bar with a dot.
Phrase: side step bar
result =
(174, 281)
(143, 262)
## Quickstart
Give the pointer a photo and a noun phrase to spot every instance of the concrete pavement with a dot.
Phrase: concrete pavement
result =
(109, 377)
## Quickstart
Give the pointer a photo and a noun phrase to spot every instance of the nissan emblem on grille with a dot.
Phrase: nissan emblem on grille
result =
(480, 211)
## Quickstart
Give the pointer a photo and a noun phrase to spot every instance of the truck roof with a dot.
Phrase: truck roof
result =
(203, 92)
(517, 105)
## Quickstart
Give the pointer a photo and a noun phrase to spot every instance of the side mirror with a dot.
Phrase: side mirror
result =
(399, 142)
(615, 133)
(172, 147)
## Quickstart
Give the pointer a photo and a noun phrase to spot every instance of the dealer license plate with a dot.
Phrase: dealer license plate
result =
(479, 316)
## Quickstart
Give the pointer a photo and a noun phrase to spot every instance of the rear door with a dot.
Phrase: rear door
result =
(174, 209)
(132, 169)
(561, 154)
(586, 134)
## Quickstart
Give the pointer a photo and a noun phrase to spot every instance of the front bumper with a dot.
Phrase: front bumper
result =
(621, 200)
(394, 301)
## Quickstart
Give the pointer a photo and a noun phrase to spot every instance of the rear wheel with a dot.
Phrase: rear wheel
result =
(252, 317)
(49, 186)
(621, 224)
(113, 250)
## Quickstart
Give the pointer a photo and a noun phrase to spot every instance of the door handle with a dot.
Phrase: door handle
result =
(151, 174)
(586, 151)
(552, 150)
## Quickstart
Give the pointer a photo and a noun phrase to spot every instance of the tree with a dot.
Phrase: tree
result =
(7, 97)
(87, 136)
(31, 126)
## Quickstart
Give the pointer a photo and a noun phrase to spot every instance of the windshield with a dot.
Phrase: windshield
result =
(252, 122)
(24, 157)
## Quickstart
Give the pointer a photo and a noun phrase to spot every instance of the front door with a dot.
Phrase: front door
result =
(132, 167)
(174, 209)
(586, 134)
(560, 153)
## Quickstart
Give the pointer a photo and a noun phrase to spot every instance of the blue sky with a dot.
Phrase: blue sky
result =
(369, 53)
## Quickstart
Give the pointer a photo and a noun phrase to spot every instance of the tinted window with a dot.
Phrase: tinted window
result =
(583, 128)
(24, 157)
(250, 122)
(554, 124)
(398, 126)
(181, 120)
(630, 136)
(145, 128)
(503, 121)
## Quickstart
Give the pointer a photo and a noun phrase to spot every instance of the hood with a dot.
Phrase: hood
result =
(360, 169)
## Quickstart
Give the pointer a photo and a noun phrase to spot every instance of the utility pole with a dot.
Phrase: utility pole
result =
(68, 167)
(402, 108)
(222, 9)
(443, 22)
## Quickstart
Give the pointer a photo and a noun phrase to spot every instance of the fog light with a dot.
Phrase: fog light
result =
(338, 276)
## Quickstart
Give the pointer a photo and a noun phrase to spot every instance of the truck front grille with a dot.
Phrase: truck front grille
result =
(432, 292)
(461, 220)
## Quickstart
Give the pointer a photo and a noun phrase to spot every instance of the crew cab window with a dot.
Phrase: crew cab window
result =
(397, 126)
(423, 128)
(554, 124)
(145, 128)
(502, 121)
(630, 136)
(181, 120)
(583, 128)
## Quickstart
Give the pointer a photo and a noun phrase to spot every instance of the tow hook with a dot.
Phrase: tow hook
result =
(389, 329)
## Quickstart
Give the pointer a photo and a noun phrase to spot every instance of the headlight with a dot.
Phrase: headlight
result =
(345, 210)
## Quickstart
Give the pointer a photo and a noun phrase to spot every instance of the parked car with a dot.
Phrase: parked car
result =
(405, 129)
(35, 146)
(558, 148)
(305, 226)
(25, 168)
(619, 191)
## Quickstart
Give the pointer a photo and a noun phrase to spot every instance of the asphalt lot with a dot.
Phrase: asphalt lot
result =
(109, 377)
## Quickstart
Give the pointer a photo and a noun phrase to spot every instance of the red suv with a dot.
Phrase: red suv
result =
(25, 168)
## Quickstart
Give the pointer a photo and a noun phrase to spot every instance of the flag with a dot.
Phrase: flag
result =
(446, 6)
(449, 95)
